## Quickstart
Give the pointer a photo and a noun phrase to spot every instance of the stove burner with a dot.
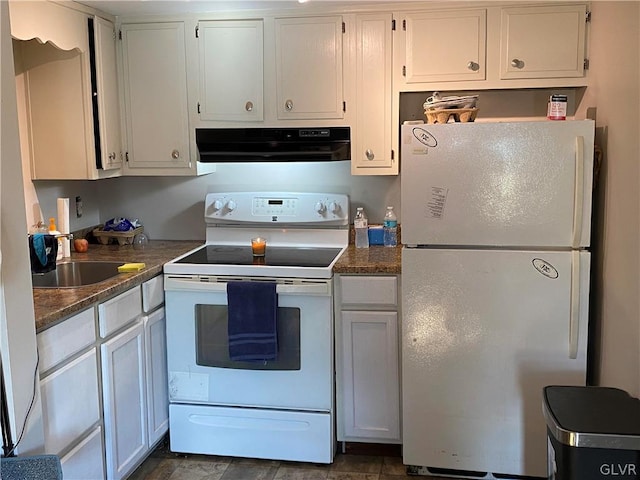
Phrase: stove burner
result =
(275, 256)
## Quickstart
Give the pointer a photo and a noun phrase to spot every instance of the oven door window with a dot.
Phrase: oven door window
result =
(212, 346)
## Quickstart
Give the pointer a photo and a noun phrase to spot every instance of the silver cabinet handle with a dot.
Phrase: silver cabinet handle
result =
(288, 105)
(369, 154)
(248, 106)
(473, 66)
(516, 63)
(175, 154)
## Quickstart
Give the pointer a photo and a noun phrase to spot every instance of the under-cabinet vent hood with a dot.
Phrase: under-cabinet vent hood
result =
(228, 145)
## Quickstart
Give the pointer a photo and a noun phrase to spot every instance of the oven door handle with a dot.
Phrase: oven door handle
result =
(322, 288)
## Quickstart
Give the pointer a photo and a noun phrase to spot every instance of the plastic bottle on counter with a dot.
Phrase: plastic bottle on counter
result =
(54, 231)
(390, 227)
(361, 226)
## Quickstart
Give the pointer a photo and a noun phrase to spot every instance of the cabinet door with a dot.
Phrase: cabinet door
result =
(155, 92)
(542, 42)
(124, 398)
(108, 103)
(157, 386)
(371, 390)
(309, 67)
(231, 70)
(445, 46)
(373, 149)
(70, 402)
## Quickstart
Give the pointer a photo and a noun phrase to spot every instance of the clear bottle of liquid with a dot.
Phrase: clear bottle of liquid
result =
(390, 228)
(361, 226)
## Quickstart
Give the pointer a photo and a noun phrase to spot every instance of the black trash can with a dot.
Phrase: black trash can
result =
(593, 433)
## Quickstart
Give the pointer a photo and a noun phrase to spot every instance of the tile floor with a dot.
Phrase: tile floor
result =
(165, 465)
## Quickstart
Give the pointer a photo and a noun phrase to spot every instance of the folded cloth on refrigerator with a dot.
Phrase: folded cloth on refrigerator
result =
(251, 330)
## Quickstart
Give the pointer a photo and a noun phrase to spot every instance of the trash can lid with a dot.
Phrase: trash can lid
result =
(596, 417)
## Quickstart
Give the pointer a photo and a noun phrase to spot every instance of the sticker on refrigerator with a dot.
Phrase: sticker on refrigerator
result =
(435, 205)
(545, 268)
(424, 137)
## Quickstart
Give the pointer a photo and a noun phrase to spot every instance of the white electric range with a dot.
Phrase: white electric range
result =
(281, 408)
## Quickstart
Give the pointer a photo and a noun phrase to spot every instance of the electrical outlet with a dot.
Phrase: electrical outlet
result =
(78, 207)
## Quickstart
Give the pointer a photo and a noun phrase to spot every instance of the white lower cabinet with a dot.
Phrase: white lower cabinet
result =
(367, 373)
(156, 375)
(70, 394)
(124, 397)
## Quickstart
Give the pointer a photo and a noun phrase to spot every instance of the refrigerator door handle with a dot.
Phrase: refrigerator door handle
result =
(574, 313)
(578, 202)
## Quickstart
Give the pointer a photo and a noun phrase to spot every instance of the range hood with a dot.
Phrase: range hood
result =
(229, 145)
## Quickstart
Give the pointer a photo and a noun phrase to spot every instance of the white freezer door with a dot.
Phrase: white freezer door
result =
(482, 333)
(519, 184)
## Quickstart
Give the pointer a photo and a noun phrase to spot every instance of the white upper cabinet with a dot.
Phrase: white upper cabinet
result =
(109, 145)
(372, 152)
(155, 99)
(445, 46)
(542, 42)
(231, 70)
(57, 61)
(309, 68)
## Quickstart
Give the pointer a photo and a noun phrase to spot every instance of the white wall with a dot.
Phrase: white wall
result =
(17, 321)
(614, 88)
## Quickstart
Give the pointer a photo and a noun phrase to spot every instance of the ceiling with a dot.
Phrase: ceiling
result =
(172, 7)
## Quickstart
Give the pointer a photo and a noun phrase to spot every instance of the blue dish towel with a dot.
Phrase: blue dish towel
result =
(252, 332)
(40, 248)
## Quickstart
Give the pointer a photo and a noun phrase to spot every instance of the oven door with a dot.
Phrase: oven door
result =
(200, 370)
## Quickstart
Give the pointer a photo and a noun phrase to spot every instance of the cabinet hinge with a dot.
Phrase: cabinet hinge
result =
(404, 25)
(344, 106)
(198, 108)
(197, 31)
(587, 17)
(126, 157)
(404, 70)
(393, 24)
(120, 34)
(586, 64)
(393, 155)
(344, 27)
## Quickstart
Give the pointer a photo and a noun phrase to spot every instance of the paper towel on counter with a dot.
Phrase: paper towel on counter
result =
(63, 225)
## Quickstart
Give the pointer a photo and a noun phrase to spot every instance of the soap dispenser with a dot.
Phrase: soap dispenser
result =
(54, 231)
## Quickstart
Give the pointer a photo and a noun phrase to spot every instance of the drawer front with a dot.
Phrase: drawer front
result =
(370, 290)
(152, 293)
(70, 402)
(85, 461)
(119, 311)
(66, 339)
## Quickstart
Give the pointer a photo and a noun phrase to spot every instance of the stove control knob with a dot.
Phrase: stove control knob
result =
(320, 208)
(231, 205)
(334, 207)
(217, 204)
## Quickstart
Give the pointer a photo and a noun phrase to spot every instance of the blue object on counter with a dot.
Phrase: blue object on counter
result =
(376, 235)
(118, 225)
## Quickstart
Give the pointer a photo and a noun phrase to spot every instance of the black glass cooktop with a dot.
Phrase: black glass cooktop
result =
(275, 256)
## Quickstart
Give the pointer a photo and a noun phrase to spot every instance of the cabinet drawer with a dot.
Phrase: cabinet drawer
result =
(119, 311)
(70, 402)
(372, 290)
(85, 460)
(152, 293)
(66, 339)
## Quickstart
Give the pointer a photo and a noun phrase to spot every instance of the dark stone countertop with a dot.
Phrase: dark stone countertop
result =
(54, 304)
(372, 260)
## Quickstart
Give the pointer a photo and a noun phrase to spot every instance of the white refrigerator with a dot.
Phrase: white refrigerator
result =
(495, 272)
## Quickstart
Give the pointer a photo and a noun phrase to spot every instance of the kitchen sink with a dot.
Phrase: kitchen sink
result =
(76, 274)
